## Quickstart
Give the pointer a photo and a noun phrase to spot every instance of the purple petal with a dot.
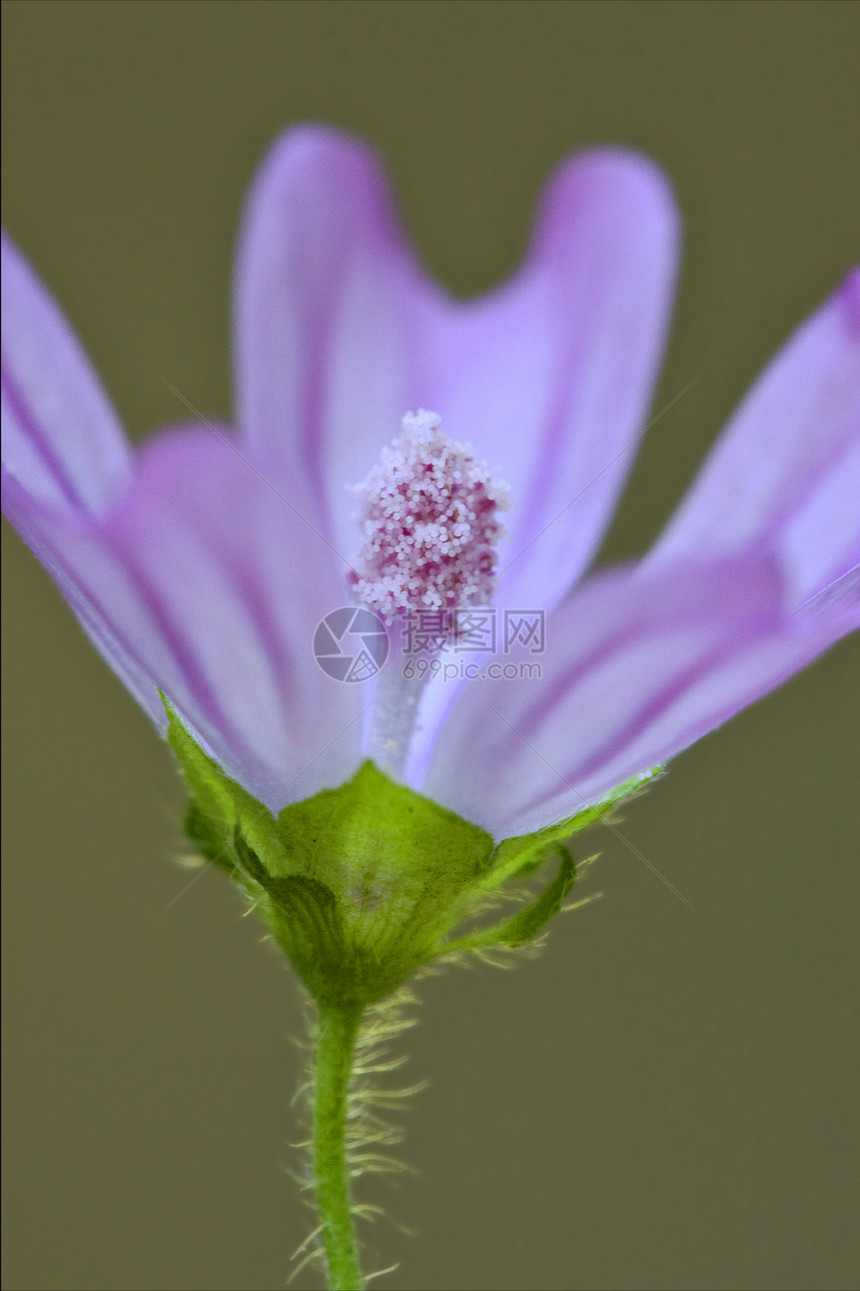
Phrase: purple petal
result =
(324, 302)
(339, 333)
(822, 539)
(69, 547)
(203, 583)
(638, 666)
(550, 377)
(785, 473)
(62, 440)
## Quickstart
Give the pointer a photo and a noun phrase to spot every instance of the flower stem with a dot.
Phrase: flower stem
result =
(338, 1028)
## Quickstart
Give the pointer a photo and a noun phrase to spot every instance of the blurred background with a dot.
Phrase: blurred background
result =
(664, 1099)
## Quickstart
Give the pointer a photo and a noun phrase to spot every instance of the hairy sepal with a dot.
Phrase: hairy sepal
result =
(518, 857)
(363, 884)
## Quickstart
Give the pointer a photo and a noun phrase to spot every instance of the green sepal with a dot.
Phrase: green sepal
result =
(363, 884)
(525, 926)
(307, 924)
(359, 884)
(220, 809)
(522, 855)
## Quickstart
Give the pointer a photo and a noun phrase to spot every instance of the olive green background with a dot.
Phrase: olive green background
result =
(665, 1098)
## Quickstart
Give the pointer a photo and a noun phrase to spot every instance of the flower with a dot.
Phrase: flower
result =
(201, 565)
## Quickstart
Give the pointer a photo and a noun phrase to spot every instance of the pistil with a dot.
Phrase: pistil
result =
(430, 527)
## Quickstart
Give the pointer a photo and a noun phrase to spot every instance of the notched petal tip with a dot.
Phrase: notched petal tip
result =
(615, 180)
(310, 162)
(310, 140)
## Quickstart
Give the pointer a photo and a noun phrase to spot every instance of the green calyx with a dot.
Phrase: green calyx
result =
(363, 884)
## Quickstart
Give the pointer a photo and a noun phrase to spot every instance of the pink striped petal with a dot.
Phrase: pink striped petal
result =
(203, 583)
(822, 539)
(324, 301)
(339, 333)
(784, 473)
(551, 376)
(638, 666)
(62, 440)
